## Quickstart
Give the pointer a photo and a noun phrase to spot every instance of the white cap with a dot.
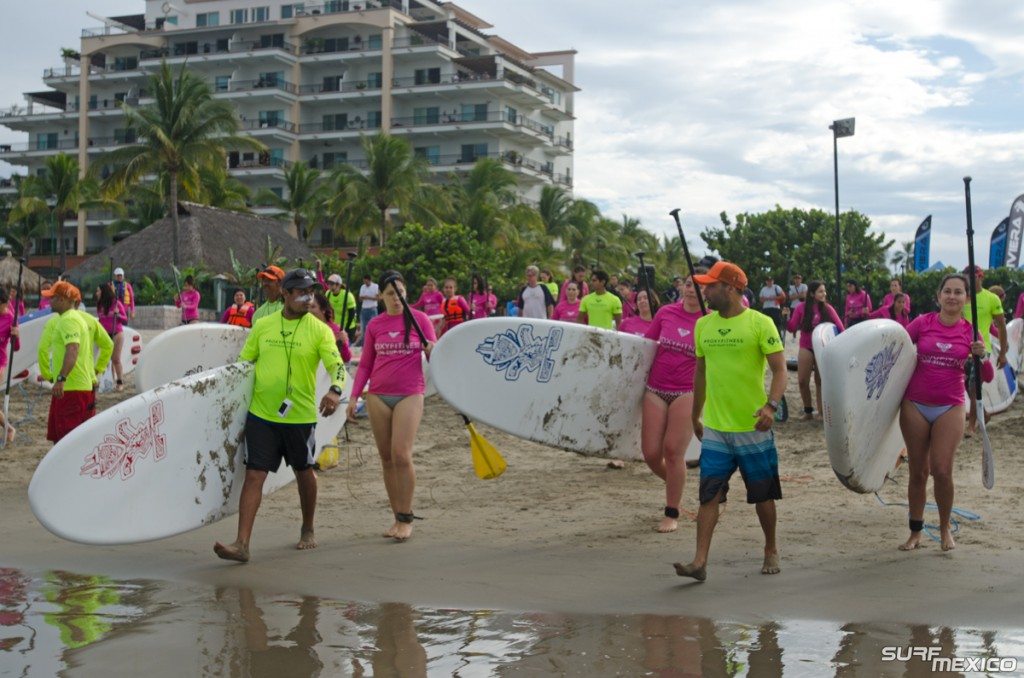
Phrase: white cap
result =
(118, 271)
(334, 278)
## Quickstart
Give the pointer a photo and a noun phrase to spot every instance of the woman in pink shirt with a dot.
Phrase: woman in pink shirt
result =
(667, 406)
(569, 309)
(8, 337)
(932, 413)
(44, 302)
(805, 318)
(15, 306)
(112, 316)
(858, 304)
(896, 310)
(896, 287)
(322, 309)
(482, 303)
(638, 324)
(392, 365)
(188, 301)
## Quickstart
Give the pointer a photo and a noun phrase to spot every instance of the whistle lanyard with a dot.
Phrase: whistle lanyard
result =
(288, 346)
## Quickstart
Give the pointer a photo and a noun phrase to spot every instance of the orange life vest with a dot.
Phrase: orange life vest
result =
(240, 316)
(453, 313)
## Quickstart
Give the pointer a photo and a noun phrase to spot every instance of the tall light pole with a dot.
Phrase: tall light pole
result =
(840, 128)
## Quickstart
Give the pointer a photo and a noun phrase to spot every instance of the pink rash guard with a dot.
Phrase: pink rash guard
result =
(797, 320)
(429, 303)
(676, 360)
(390, 365)
(942, 354)
(567, 311)
(634, 324)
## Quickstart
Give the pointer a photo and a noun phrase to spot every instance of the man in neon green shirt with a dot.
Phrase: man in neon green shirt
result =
(270, 278)
(990, 311)
(286, 347)
(733, 347)
(599, 308)
(71, 341)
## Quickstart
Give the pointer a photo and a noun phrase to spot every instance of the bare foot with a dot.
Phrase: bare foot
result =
(11, 432)
(402, 531)
(390, 532)
(616, 463)
(807, 416)
(912, 543)
(306, 541)
(668, 525)
(948, 543)
(698, 573)
(237, 551)
(771, 564)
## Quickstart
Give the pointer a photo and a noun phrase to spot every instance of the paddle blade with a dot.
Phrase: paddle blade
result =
(487, 461)
(988, 463)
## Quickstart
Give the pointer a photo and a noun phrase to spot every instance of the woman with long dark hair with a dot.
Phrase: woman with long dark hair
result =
(898, 310)
(858, 304)
(112, 316)
(391, 363)
(806, 317)
(324, 312)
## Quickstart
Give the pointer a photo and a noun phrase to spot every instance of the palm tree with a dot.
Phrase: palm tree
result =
(184, 130)
(555, 210)
(395, 179)
(484, 200)
(305, 201)
(60, 193)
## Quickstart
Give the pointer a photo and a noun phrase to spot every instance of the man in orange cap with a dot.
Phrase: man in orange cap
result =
(74, 381)
(270, 278)
(733, 346)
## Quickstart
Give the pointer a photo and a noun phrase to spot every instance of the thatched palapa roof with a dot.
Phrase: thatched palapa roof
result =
(30, 280)
(206, 238)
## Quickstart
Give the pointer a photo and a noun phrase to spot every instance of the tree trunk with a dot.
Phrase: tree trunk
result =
(60, 244)
(175, 226)
(383, 225)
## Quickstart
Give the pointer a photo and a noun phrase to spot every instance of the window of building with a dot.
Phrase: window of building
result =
(511, 114)
(273, 40)
(46, 141)
(474, 112)
(432, 154)
(93, 102)
(288, 11)
(373, 119)
(335, 121)
(470, 152)
(335, 6)
(374, 80)
(261, 14)
(426, 76)
(221, 83)
(270, 79)
(331, 83)
(184, 48)
(124, 136)
(208, 19)
(271, 118)
(276, 157)
(331, 160)
(278, 191)
(426, 116)
(375, 42)
(239, 16)
(126, 63)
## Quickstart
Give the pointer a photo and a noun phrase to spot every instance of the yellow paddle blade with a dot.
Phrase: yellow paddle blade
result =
(328, 457)
(487, 461)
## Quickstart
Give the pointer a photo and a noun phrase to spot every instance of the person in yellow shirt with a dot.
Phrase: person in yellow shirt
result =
(733, 346)
(286, 346)
(69, 344)
(600, 308)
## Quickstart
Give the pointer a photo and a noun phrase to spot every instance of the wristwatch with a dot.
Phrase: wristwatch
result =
(336, 390)
(774, 404)
(61, 379)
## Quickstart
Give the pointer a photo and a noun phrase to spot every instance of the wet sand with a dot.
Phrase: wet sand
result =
(560, 532)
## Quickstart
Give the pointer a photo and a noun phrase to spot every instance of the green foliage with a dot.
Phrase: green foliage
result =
(784, 242)
(154, 291)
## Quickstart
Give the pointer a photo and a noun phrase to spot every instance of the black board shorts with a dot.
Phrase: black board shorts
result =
(268, 442)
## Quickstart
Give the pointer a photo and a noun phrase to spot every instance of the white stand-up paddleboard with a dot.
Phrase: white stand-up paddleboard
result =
(570, 386)
(29, 334)
(864, 374)
(161, 463)
(998, 394)
(131, 347)
(1015, 339)
(188, 349)
(821, 336)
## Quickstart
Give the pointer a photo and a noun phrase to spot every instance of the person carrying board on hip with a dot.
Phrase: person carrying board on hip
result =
(733, 345)
(286, 346)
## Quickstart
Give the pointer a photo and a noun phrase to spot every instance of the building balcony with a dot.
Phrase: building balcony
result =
(456, 121)
(213, 52)
(345, 6)
(329, 50)
(528, 168)
(41, 149)
(262, 87)
(270, 128)
(257, 167)
(509, 86)
(72, 72)
(353, 129)
(340, 90)
(8, 187)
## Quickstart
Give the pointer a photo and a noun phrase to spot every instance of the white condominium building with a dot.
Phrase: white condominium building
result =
(309, 79)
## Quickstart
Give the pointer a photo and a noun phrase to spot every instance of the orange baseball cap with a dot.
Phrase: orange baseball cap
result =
(63, 289)
(271, 273)
(724, 272)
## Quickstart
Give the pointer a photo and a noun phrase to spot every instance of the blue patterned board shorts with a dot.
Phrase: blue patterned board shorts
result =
(752, 452)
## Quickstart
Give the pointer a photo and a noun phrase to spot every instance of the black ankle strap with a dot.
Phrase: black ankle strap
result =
(672, 513)
(406, 517)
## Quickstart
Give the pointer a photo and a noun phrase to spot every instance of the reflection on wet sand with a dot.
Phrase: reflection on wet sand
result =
(65, 623)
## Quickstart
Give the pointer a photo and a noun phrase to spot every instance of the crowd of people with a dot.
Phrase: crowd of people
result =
(706, 380)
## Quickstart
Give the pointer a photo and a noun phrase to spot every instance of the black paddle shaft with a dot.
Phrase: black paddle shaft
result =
(10, 341)
(348, 292)
(643, 278)
(972, 281)
(689, 261)
(407, 311)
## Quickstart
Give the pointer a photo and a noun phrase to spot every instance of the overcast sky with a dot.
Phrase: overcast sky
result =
(725, 105)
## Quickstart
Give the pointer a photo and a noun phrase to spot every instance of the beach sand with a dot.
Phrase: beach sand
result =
(561, 532)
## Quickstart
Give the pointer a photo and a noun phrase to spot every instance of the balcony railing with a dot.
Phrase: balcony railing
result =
(341, 87)
(417, 40)
(343, 6)
(260, 163)
(458, 118)
(338, 46)
(261, 83)
(269, 124)
(564, 179)
(319, 127)
(108, 104)
(65, 144)
(235, 47)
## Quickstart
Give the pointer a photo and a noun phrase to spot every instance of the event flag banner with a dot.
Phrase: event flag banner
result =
(997, 246)
(922, 241)
(1014, 232)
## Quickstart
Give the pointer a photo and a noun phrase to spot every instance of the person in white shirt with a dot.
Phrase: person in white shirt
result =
(535, 300)
(797, 296)
(369, 295)
(772, 298)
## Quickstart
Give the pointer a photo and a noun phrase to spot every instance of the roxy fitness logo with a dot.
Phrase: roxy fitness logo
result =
(877, 373)
(930, 654)
(513, 352)
(120, 451)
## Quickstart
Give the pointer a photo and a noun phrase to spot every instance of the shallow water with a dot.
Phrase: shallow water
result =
(62, 623)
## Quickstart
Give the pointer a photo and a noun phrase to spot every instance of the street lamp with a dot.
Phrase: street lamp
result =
(840, 128)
